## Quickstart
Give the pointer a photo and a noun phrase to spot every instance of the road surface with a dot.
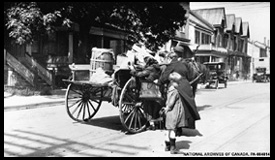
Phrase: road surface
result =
(235, 121)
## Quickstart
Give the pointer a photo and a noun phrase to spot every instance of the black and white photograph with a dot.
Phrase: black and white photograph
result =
(137, 79)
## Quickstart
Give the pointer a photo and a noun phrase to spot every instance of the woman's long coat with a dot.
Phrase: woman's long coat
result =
(184, 89)
(175, 116)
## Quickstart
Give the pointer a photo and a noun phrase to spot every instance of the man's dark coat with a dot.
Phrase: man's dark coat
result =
(184, 88)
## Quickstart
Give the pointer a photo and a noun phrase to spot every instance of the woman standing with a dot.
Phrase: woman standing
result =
(181, 110)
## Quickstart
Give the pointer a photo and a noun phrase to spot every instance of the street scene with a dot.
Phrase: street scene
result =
(152, 79)
(234, 120)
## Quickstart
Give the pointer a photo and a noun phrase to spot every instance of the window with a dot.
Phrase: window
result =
(235, 43)
(240, 45)
(197, 37)
(263, 53)
(56, 43)
(225, 40)
(202, 38)
(208, 38)
(202, 59)
(232, 43)
(218, 40)
(205, 38)
(62, 43)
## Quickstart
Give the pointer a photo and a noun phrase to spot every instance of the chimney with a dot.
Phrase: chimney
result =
(264, 40)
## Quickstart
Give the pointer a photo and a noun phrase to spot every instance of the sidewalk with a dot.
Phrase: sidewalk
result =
(239, 81)
(15, 102)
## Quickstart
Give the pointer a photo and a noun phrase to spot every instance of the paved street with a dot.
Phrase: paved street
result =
(234, 120)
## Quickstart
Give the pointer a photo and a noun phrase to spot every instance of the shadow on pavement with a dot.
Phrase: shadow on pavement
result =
(183, 144)
(15, 145)
(114, 123)
(110, 122)
(190, 132)
(200, 108)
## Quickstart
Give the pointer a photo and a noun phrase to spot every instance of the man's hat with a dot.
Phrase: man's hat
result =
(179, 49)
(183, 51)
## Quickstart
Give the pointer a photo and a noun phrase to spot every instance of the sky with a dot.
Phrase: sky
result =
(257, 14)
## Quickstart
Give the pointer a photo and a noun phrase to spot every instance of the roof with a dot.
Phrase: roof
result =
(260, 45)
(213, 15)
(238, 25)
(246, 29)
(230, 20)
(198, 20)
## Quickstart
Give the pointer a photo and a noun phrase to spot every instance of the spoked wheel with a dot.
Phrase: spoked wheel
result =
(82, 102)
(131, 110)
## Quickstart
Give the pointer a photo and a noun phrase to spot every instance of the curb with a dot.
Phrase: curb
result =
(238, 82)
(33, 106)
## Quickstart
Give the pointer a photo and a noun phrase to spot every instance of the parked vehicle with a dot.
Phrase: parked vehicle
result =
(260, 75)
(262, 69)
(217, 74)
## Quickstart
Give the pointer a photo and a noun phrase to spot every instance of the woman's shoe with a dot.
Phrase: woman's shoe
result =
(173, 149)
(167, 146)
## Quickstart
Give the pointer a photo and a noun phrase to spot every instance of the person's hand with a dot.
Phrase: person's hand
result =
(133, 72)
(131, 66)
(166, 109)
(163, 111)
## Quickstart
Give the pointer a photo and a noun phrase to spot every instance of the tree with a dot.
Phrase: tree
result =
(153, 23)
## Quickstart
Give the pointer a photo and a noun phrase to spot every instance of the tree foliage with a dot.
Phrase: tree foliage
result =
(153, 23)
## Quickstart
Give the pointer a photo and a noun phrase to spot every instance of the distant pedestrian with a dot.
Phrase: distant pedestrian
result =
(237, 75)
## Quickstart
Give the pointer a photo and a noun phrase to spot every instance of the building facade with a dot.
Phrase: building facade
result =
(260, 56)
(228, 42)
(220, 37)
(211, 46)
(47, 59)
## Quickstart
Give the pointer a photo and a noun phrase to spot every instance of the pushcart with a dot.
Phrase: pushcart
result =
(83, 98)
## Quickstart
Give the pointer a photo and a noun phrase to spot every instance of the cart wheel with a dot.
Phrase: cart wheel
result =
(131, 111)
(82, 102)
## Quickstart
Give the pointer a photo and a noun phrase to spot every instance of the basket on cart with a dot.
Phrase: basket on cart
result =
(101, 58)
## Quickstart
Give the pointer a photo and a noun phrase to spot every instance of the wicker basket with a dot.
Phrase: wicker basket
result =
(101, 58)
